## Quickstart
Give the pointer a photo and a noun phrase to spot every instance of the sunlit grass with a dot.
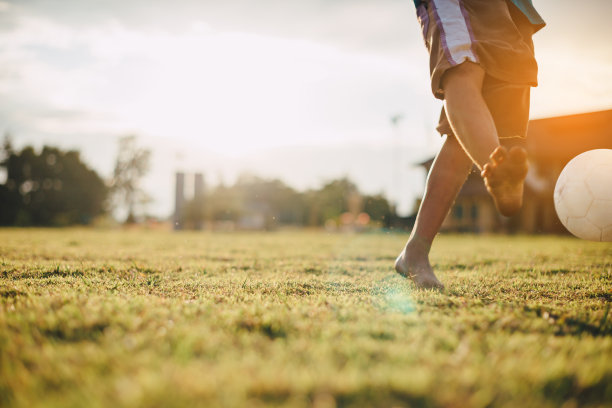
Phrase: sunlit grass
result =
(145, 318)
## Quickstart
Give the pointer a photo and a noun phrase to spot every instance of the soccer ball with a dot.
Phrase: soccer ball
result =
(583, 195)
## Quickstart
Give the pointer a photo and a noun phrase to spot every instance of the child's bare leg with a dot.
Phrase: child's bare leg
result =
(468, 113)
(472, 123)
(445, 179)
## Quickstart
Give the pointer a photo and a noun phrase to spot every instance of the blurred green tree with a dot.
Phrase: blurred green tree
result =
(273, 203)
(379, 209)
(330, 201)
(51, 188)
(278, 203)
(250, 196)
(223, 204)
(131, 166)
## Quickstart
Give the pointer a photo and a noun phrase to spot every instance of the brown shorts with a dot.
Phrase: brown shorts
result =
(495, 35)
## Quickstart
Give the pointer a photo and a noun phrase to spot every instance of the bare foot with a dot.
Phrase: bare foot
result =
(418, 270)
(504, 176)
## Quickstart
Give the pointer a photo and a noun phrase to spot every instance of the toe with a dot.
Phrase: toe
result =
(486, 171)
(435, 285)
(488, 174)
(428, 282)
(517, 154)
(518, 159)
(499, 155)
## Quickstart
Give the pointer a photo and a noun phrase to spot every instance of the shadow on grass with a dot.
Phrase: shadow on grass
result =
(88, 332)
(11, 293)
(366, 396)
(566, 387)
(574, 326)
(270, 329)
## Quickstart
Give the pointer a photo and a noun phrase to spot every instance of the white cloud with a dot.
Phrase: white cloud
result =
(237, 91)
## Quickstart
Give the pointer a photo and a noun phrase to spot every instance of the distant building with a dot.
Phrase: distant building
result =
(551, 143)
(189, 213)
(198, 201)
(179, 201)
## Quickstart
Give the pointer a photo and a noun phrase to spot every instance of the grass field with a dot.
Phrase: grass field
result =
(159, 319)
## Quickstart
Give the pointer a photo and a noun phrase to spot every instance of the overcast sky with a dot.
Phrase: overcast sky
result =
(302, 90)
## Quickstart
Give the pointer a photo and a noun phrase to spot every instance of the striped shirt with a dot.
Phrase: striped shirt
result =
(526, 7)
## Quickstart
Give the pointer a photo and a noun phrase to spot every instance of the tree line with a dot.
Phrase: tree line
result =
(270, 203)
(53, 187)
(50, 188)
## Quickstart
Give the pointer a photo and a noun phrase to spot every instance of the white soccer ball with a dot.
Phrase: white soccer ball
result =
(583, 195)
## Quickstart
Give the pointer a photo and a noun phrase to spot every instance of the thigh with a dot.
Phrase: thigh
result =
(509, 107)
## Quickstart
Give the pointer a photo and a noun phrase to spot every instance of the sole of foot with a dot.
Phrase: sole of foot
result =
(421, 274)
(504, 176)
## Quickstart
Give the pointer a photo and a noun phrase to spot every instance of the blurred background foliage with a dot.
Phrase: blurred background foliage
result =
(278, 204)
(49, 188)
(53, 187)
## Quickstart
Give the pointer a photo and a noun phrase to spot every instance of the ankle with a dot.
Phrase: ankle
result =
(417, 246)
